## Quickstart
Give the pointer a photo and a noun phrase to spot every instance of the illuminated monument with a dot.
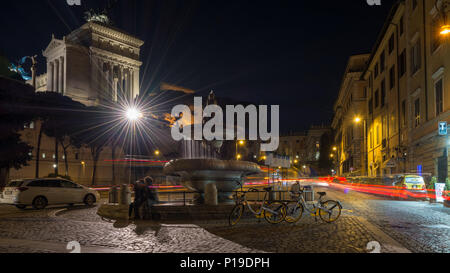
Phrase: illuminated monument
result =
(94, 63)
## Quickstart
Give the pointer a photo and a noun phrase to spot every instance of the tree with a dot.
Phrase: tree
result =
(16, 111)
(57, 113)
(58, 119)
(93, 130)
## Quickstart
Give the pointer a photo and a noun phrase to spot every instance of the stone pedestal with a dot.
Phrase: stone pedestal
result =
(211, 198)
(125, 195)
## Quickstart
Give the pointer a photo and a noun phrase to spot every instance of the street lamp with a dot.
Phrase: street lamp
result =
(445, 30)
(133, 114)
(157, 152)
(357, 120)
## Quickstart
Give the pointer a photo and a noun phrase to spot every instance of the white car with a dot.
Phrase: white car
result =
(40, 193)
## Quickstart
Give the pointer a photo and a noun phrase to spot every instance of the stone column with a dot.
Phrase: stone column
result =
(135, 82)
(55, 76)
(120, 91)
(61, 75)
(125, 86)
(49, 76)
(112, 82)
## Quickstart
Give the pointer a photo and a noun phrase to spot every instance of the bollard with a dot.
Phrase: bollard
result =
(211, 198)
(125, 195)
(113, 195)
(272, 194)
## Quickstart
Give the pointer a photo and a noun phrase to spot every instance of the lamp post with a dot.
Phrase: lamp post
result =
(445, 27)
(133, 115)
(357, 121)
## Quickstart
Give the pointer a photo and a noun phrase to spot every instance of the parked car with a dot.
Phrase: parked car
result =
(413, 184)
(40, 193)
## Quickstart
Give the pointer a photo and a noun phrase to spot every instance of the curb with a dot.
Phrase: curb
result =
(386, 241)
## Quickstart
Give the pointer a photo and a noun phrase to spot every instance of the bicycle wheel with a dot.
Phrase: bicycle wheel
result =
(294, 212)
(279, 215)
(333, 213)
(235, 215)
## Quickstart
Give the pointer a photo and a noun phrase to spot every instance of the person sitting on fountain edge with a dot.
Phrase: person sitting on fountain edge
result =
(140, 195)
(151, 194)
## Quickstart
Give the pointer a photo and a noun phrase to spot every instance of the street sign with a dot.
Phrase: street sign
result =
(439, 192)
(443, 128)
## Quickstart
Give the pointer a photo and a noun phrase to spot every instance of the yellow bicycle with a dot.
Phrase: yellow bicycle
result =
(273, 212)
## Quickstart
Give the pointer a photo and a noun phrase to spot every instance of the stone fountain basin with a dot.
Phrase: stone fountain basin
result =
(227, 175)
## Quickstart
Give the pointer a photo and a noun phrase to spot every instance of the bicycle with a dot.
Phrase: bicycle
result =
(273, 212)
(329, 211)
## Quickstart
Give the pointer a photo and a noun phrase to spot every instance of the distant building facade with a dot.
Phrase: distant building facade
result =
(407, 81)
(303, 148)
(348, 123)
(93, 65)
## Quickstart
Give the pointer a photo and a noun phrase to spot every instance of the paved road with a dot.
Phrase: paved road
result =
(398, 226)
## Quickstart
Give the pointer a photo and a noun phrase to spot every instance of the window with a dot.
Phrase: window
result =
(414, 4)
(377, 99)
(378, 134)
(376, 71)
(29, 125)
(393, 122)
(417, 113)
(416, 58)
(383, 92)
(370, 106)
(404, 113)
(382, 61)
(392, 77)
(439, 97)
(68, 184)
(402, 64)
(402, 26)
(391, 44)
(43, 155)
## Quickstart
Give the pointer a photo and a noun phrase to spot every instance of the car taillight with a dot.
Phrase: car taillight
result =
(22, 189)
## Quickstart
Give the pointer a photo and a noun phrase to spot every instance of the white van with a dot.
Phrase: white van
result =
(40, 193)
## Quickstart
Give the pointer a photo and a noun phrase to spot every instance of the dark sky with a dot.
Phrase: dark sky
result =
(291, 53)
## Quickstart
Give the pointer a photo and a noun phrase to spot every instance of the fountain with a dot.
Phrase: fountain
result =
(212, 176)
(201, 169)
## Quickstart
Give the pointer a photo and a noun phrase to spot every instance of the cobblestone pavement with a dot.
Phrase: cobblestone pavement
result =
(417, 226)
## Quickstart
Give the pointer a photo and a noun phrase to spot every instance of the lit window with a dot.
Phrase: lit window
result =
(416, 58)
(43, 155)
(417, 113)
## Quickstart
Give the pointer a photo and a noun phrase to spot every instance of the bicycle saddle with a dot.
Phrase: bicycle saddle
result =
(322, 193)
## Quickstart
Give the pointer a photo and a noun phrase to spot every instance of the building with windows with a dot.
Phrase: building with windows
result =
(303, 148)
(95, 64)
(407, 92)
(349, 124)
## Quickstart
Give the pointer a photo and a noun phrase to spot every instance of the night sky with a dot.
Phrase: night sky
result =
(291, 53)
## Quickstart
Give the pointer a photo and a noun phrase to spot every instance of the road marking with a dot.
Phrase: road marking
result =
(386, 241)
